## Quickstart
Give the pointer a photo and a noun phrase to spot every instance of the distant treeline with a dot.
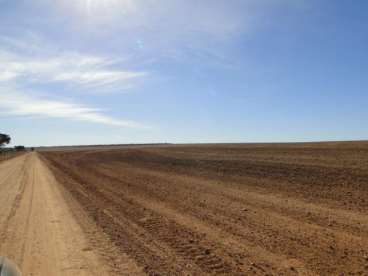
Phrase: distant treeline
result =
(5, 140)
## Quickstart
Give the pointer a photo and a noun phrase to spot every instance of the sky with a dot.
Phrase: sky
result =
(76, 72)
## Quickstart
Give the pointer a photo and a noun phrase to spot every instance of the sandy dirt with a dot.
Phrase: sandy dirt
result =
(261, 209)
(38, 231)
(281, 209)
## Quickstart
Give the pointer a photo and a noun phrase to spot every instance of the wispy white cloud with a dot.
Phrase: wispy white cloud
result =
(7, 75)
(97, 77)
(67, 68)
(16, 103)
(22, 72)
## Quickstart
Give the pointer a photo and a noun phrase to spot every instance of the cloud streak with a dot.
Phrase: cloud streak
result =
(18, 104)
(25, 75)
(67, 68)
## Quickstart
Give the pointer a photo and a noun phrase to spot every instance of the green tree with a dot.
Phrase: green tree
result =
(4, 139)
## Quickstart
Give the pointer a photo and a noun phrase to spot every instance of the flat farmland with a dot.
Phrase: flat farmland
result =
(235, 209)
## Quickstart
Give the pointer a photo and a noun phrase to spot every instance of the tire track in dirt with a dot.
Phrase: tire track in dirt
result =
(19, 184)
(28, 216)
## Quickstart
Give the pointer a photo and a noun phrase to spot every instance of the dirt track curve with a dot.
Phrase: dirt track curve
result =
(296, 209)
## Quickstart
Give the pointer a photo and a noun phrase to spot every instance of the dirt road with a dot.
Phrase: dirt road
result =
(37, 228)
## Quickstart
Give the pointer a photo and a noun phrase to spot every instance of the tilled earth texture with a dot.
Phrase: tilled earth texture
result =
(226, 209)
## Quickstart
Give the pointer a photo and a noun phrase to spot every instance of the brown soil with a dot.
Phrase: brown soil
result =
(38, 230)
(279, 209)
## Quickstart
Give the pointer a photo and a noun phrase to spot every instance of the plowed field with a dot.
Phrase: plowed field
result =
(276, 209)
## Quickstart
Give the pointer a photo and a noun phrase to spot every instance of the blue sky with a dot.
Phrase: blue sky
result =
(141, 71)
